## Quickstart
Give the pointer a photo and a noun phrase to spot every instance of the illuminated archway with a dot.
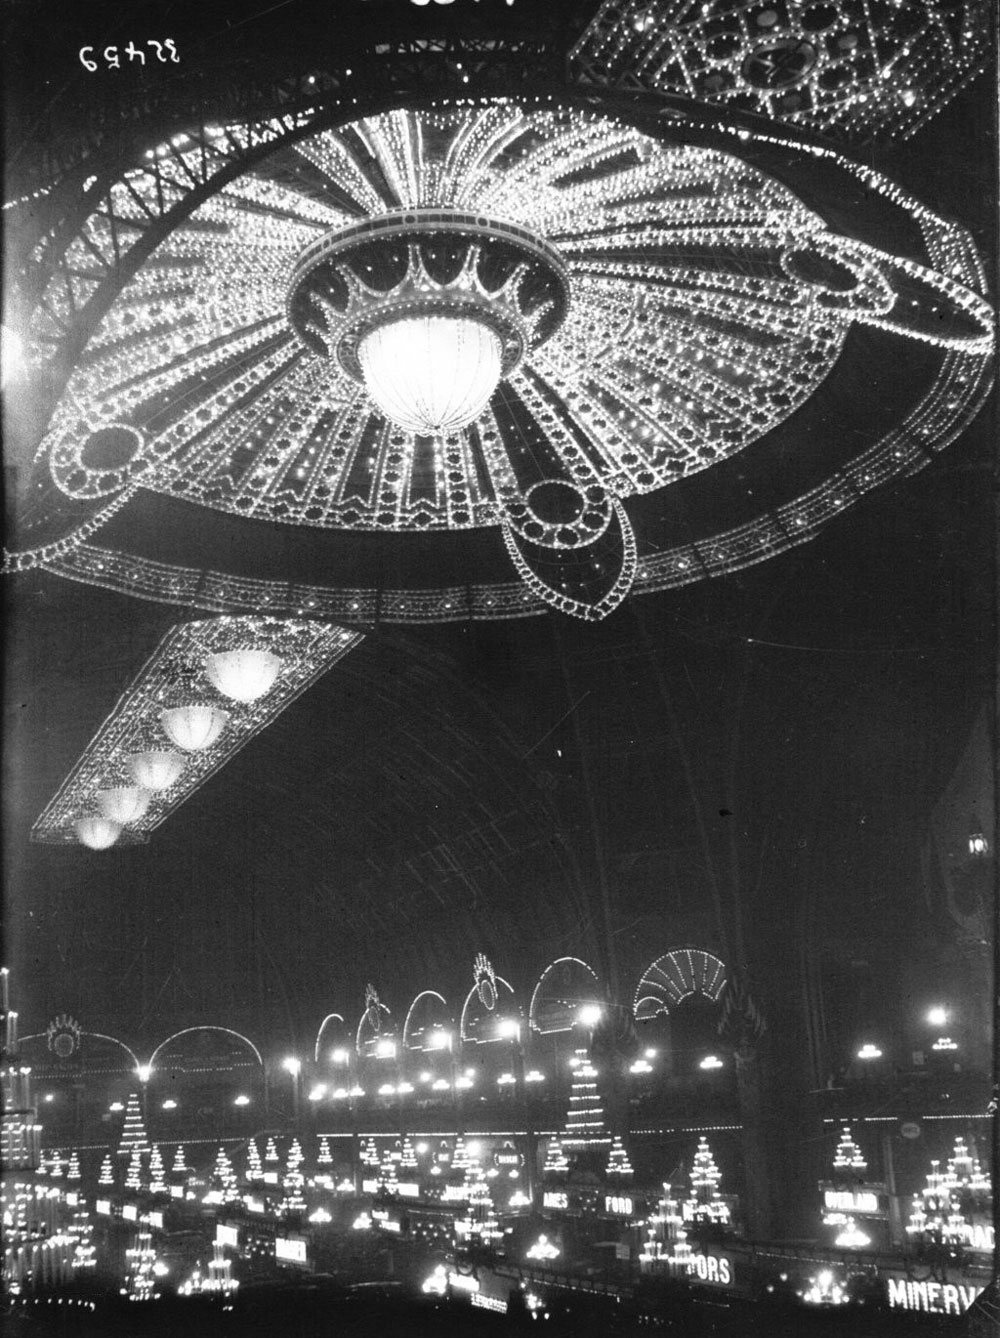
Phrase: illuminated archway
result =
(428, 1014)
(330, 1018)
(188, 1031)
(563, 987)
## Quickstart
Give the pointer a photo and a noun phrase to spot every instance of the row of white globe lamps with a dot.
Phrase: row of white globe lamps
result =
(242, 675)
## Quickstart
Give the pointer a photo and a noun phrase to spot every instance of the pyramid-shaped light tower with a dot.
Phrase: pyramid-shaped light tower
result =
(556, 1162)
(408, 1159)
(271, 1151)
(139, 1259)
(157, 1179)
(369, 1155)
(325, 1157)
(584, 1127)
(705, 1203)
(133, 1130)
(179, 1166)
(224, 1179)
(106, 1177)
(938, 1209)
(293, 1181)
(82, 1230)
(849, 1157)
(619, 1166)
(255, 1167)
(74, 1166)
(133, 1176)
(666, 1238)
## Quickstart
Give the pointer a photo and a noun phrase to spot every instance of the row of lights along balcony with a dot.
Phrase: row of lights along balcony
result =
(208, 688)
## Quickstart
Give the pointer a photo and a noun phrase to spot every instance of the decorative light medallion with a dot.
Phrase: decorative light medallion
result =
(62, 1036)
(842, 68)
(508, 320)
(129, 744)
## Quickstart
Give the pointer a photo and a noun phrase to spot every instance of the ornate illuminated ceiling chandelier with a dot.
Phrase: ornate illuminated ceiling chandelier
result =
(490, 318)
(448, 304)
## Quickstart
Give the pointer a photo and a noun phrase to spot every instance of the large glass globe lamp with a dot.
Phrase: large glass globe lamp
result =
(195, 727)
(156, 769)
(97, 831)
(243, 675)
(123, 804)
(431, 374)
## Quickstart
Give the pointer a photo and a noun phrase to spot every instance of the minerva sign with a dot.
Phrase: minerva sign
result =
(931, 1298)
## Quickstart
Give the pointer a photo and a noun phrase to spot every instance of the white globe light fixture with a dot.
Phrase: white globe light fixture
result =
(156, 770)
(431, 374)
(590, 1015)
(123, 804)
(96, 831)
(450, 303)
(244, 674)
(194, 727)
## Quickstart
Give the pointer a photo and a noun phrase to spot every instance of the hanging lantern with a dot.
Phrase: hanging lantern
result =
(194, 727)
(96, 831)
(244, 674)
(156, 770)
(123, 804)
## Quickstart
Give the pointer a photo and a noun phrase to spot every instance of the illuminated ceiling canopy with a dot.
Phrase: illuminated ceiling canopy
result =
(489, 318)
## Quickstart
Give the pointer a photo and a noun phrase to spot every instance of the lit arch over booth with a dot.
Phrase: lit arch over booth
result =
(339, 1031)
(207, 1027)
(427, 1014)
(490, 1000)
(563, 987)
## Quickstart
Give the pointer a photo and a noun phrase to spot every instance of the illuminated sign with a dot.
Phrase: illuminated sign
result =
(463, 1282)
(270, 1177)
(130, 1212)
(618, 1204)
(931, 1298)
(176, 1191)
(407, 1191)
(255, 1205)
(72, 1198)
(555, 1198)
(290, 1249)
(489, 1303)
(981, 1237)
(227, 1235)
(851, 1201)
(103, 1206)
(369, 1186)
(508, 1156)
(382, 1218)
(156, 1220)
(711, 1268)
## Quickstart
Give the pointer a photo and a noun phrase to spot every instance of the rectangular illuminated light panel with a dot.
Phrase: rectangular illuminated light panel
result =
(174, 675)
